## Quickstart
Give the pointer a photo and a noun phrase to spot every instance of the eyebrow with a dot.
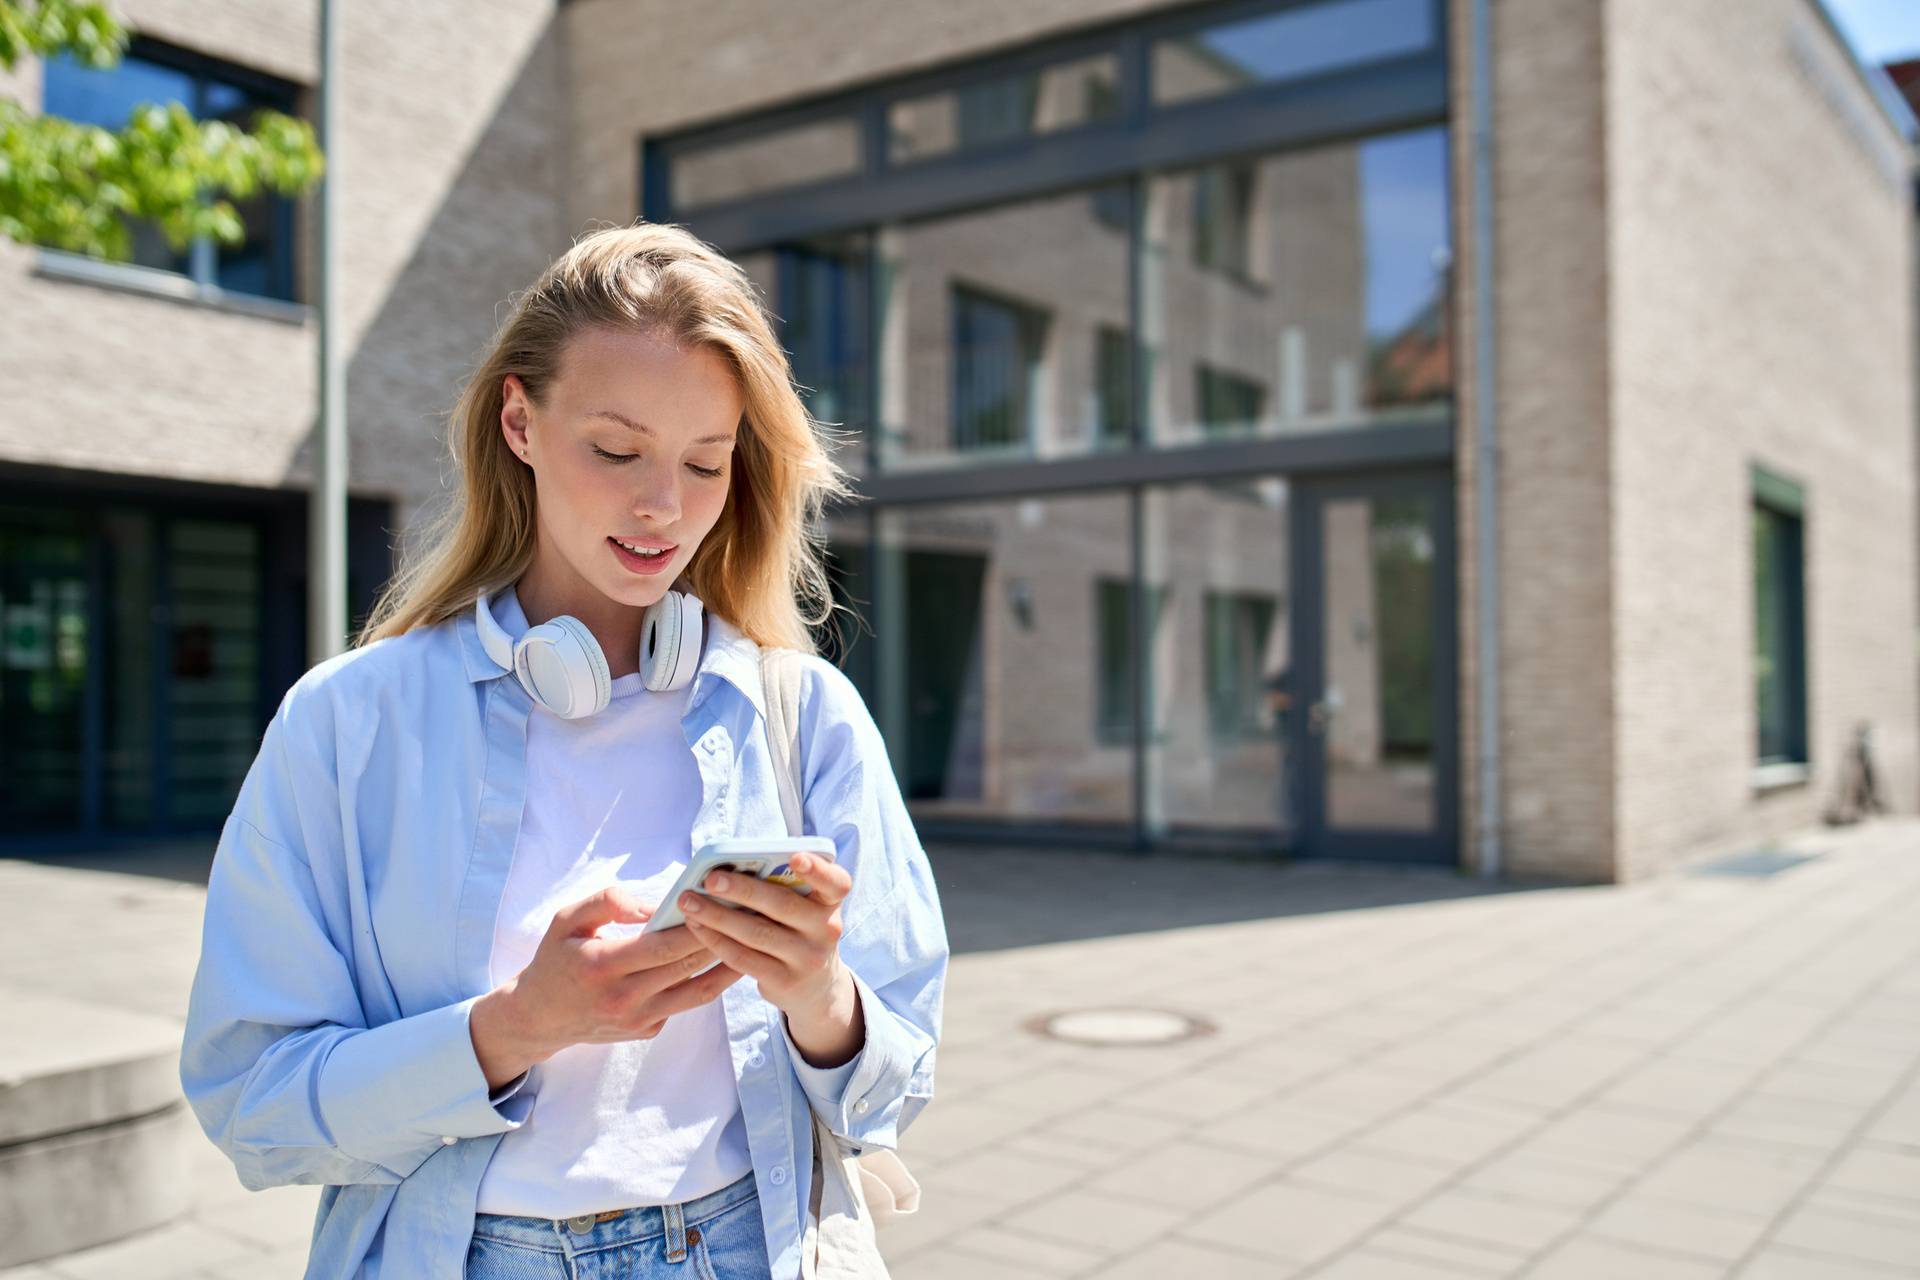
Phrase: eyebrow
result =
(643, 429)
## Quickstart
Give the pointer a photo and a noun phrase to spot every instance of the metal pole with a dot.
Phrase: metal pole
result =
(327, 505)
(1486, 452)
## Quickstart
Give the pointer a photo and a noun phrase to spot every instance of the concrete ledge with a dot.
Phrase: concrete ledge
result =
(67, 1065)
(59, 1195)
(94, 1133)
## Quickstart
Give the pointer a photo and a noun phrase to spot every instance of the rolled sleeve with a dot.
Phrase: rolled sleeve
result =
(388, 1091)
(894, 940)
(863, 1098)
(277, 1061)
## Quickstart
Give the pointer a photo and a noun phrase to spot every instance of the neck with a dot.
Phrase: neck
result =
(545, 594)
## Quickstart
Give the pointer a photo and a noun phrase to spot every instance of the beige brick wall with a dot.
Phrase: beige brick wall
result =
(1550, 261)
(450, 185)
(1761, 249)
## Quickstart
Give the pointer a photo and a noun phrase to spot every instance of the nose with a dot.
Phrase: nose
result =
(656, 497)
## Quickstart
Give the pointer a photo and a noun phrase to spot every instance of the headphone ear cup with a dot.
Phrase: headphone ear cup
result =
(670, 642)
(560, 665)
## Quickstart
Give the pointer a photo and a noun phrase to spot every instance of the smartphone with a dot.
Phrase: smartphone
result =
(764, 857)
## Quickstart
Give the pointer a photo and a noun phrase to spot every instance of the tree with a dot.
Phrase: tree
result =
(77, 186)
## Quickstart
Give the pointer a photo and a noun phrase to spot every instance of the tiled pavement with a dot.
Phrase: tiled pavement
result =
(1708, 1074)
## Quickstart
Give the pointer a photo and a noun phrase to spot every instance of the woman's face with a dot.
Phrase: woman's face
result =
(634, 443)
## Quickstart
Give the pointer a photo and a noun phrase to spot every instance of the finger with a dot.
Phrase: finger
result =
(774, 938)
(611, 904)
(775, 901)
(750, 960)
(647, 951)
(694, 992)
(831, 882)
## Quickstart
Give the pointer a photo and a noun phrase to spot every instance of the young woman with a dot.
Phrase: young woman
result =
(423, 979)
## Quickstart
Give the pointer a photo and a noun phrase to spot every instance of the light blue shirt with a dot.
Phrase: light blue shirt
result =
(350, 918)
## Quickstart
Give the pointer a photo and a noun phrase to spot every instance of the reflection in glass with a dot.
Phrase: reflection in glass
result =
(999, 677)
(767, 162)
(1378, 721)
(1292, 44)
(1002, 332)
(1023, 104)
(43, 660)
(1221, 668)
(262, 263)
(214, 686)
(817, 291)
(1299, 291)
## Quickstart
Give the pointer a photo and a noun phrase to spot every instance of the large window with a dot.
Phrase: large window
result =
(1780, 620)
(1321, 274)
(151, 72)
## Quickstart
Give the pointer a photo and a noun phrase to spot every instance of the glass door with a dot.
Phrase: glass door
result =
(1375, 722)
(44, 635)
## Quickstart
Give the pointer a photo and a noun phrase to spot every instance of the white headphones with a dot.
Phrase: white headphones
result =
(560, 665)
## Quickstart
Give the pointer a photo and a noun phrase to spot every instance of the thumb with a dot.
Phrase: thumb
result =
(613, 903)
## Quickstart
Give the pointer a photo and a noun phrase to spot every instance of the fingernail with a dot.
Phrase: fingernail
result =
(690, 902)
(800, 862)
(718, 882)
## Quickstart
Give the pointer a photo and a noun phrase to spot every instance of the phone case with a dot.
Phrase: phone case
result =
(777, 870)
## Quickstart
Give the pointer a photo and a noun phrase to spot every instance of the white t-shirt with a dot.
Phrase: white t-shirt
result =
(611, 797)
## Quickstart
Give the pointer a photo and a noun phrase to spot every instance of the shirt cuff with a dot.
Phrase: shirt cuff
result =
(393, 1090)
(826, 1086)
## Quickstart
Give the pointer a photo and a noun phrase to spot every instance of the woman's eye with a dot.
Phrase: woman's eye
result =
(705, 473)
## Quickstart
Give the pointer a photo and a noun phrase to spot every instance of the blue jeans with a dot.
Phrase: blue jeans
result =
(712, 1237)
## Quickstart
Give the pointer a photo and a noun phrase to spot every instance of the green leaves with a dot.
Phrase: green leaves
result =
(77, 186)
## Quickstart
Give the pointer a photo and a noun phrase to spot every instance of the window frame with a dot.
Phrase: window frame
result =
(203, 252)
(1778, 520)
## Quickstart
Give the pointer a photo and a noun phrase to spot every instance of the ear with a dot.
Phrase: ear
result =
(516, 416)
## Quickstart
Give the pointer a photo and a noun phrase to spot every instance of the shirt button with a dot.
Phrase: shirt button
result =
(447, 1139)
(756, 1058)
(860, 1107)
(779, 1175)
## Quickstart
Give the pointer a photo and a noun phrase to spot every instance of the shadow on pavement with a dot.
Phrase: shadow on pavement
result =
(999, 897)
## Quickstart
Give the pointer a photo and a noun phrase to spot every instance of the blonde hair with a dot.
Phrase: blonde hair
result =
(761, 566)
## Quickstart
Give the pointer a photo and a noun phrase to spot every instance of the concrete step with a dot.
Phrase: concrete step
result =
(94, 1131)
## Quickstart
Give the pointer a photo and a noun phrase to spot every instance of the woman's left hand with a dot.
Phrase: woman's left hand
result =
(792, 947)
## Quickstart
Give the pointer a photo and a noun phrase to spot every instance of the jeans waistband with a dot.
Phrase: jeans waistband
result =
(615, 1226)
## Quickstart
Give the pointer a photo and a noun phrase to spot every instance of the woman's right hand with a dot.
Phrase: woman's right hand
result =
(582, 989)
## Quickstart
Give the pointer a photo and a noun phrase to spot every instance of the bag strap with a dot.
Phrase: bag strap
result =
(780, 683)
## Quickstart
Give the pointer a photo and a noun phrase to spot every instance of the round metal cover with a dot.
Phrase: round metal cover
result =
(1119, 1026)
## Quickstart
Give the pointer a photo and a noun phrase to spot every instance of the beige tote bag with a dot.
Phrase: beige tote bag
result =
(850, 1195)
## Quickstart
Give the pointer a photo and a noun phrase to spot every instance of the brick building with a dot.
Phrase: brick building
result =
(1156, 335)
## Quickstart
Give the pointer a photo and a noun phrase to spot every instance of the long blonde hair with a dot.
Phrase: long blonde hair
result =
(761, 566)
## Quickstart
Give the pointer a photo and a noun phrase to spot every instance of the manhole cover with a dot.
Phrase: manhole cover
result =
(1119, 1026)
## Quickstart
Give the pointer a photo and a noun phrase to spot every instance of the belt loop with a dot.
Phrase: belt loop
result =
(676, 1224)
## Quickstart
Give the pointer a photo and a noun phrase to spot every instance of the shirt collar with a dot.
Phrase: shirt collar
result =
(726, 652)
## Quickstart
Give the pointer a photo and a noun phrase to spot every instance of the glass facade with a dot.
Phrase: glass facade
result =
(145, 643)
(1150, 391)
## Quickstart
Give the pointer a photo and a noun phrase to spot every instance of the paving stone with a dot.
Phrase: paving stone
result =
(1289, 1222)
(1584, 1258)
(1496, 1220)
(1882, 1240)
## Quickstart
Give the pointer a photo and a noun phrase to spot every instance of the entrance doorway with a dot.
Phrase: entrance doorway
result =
(1373, 708)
